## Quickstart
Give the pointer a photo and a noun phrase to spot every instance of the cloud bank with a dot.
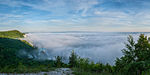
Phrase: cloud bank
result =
(98, 47)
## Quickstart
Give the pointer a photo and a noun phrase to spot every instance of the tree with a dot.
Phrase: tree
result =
(129, 52)
(129, 55)
(136, 56)
(59, 61)
(73, 59)
(108, 68)
(142, 48)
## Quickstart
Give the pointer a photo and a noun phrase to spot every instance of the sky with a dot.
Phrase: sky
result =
(75, 15)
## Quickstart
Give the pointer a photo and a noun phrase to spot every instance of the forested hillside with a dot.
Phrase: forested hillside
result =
(11, 60)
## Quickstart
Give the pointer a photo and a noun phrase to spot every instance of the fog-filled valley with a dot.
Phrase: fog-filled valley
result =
(97, 46)
(79, 53)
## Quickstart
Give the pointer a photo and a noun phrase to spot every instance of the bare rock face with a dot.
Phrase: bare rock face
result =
(59, 71)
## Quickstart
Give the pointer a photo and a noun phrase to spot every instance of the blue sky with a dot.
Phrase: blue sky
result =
(75, 15)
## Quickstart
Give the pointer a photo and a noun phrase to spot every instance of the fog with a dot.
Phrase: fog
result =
(98, 47)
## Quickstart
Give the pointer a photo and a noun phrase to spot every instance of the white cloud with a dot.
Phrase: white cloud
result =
(100, 19)
(117, 14)
(56, 6)
(85, 5)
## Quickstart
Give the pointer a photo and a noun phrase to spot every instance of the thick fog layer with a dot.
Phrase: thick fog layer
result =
(98, 47)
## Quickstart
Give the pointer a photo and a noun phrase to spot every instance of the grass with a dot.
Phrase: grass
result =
(11, 34)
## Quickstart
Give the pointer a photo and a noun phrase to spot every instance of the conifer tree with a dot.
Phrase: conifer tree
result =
(73, 59)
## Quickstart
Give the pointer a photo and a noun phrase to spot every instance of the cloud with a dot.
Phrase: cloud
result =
(6, 16)
(55, 5)
(104, 21)
(98, 15)
(85, 45)
(84, 6)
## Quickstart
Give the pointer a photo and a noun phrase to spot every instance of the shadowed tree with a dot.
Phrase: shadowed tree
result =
(59, 61)
(73, 59)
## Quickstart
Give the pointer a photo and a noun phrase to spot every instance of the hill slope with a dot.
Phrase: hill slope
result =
(11, 34)
(9, 49)
(10, 55)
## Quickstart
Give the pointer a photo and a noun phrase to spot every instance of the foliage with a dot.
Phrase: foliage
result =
(82, 66)
(58, 61)
(73, 59)
(10, 61)
(78, 71)
(136, 57)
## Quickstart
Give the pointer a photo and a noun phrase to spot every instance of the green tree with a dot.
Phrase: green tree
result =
(129, 55)
(83, 63)
(142, 48)
(73, 59)
(59, 61)
(136, 56)
(108, 68)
